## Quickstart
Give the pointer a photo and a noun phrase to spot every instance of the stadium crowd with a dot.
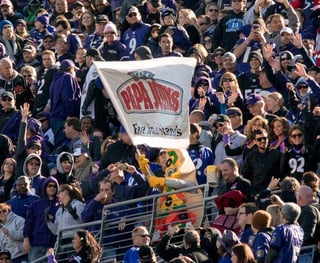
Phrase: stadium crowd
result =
(254, 113)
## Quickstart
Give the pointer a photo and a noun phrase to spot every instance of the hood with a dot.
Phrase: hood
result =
(58, 164)
(29, 157)
(35, 126)
(309, 92)
(14, 75)
(50, 179)
(58, 74)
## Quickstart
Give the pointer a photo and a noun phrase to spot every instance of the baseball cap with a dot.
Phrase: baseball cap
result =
(102, 18)
(95, 53)
(5, 252)
(29, 48)
(66, 64)
(6, 2)
(221, 118)
(286, 30)
(234, 111)
(34, 143)
(253, 98)
(155, 3)
(146, 254)
(7, 94)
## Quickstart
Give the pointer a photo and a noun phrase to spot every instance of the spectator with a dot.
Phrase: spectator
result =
(242, 253)
(6, 255)
(8, 13)
(287, 238)
(77, 10)
(201, 155)
(112, 49)
(30, 12)
(87, 249)
(261, 163)
(212, 10)
(37, 236)
(45, 77)
(187, 19)
(225, 244)
(311, 179)
(166, 45)
(62, 46)
(22, 196)
(12, 81)
(87, 23)
(60, 9)
(116, 217)
(32, 169)
(7, 178)
(8, 108)
(279, 132)
(20, 28)
(11, 235)
(191, 246)
(261, 228)
(245, 214)
(63, 27)
(40, 28)
(309, 218)
(65, 171)
(256, 106)
(95, 40)
(137, 32)
(225, 36)
(230, 174)
(231, 138)
(140, 237)
(69, 213)
(65, 97)
(147, 255)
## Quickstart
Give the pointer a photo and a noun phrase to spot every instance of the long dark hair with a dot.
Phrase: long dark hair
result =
(90, 246)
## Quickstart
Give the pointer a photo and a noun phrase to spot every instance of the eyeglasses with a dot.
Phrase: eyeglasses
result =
(227, 80)
(6, 99)
(302, 87)
(218, 54)
(218, 125)
(26, 76)
(214, 10)
(296, 135)
(52, 186)
(260, 139)
(3, 211)
(202, 24)
(145, 235)
(34, 163)
(132, 14)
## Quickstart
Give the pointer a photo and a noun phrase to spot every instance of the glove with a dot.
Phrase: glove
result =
(73, 211)
(85, 112)
(226, 139)
(155, 181)
(143, 164)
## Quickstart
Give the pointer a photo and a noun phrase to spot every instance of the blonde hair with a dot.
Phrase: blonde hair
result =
(277, 97)
(274, 210)
(190, 16)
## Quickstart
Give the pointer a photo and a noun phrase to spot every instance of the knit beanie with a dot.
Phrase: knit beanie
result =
(43, 19)
(110, 27)
(66, 157)
(3, 23)
(261, 219)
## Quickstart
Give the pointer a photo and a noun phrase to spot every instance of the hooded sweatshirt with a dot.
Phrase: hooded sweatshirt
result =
(36, 180)
(36, 228)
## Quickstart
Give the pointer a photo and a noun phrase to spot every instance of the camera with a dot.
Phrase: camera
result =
(255, 27)
(122, 166)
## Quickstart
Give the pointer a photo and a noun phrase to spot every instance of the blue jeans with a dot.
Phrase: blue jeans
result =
(37, 252)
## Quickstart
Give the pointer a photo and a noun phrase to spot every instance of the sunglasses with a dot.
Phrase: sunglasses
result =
(6, 99)
(260, 139)
(132, 14)
(4, 211)
(214, 10)
(218, 54)
(283, 59)
(218, 125)
(110, 33)
(146, 235)
(302, 87)
(227, 80)
(51, 186)
(297, 135)
(26, 76)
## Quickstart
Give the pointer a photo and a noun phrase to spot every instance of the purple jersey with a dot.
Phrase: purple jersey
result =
(287, 240)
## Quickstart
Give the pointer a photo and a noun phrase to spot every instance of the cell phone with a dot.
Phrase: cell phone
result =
(291, 68)
(256, 27)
